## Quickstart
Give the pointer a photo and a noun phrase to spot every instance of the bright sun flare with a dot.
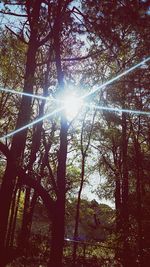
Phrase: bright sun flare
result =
(72, 105)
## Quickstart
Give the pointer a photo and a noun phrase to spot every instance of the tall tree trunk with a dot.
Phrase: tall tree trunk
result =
(125, 195)
(27, 214)
(58, 223)
(139, 172)
(139, 217)
(19, 140)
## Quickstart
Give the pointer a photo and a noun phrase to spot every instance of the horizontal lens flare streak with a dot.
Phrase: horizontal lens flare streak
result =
(31, 123)
(84, 96)
(139, 112)
(117, 77)
(22, 93)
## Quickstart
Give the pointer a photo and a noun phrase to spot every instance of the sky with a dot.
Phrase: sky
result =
(90, 195)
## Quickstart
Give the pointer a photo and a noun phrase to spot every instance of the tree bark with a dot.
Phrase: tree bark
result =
(126, 259)
(12, 217)
(19, 140)
(139, 172)
(15, 218)
(58, 223)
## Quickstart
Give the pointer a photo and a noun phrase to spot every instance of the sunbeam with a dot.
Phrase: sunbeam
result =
(117, 77)
(22, 93)
(139, 112)
(85, 95)
(31, 123)
(65, 106)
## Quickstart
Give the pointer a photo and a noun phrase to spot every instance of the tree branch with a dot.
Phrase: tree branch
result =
(18, 36)
(45, 39)
(25, 179)
(13, 14)
(72, 59)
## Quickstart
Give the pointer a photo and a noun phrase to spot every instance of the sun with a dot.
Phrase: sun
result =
(72, 105)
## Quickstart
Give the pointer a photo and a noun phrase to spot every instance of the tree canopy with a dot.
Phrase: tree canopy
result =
(74, 111)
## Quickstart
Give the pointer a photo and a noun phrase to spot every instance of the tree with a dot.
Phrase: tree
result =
(49, 30)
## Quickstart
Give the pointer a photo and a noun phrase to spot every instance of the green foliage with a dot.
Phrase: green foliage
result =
(118, 37)
(96, 220)
(12, 58)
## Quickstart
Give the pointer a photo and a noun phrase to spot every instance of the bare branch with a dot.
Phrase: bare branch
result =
(72, 59)
(18, 36)
(25, 179)
(13, 14)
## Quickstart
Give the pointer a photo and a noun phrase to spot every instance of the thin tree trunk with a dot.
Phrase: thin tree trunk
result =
(15, 218)
(12, 215)
(139, 217)
(23, 239)
(118, 215)
(139, 199)
(75, 237)
(31, 212)
(118, 203)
